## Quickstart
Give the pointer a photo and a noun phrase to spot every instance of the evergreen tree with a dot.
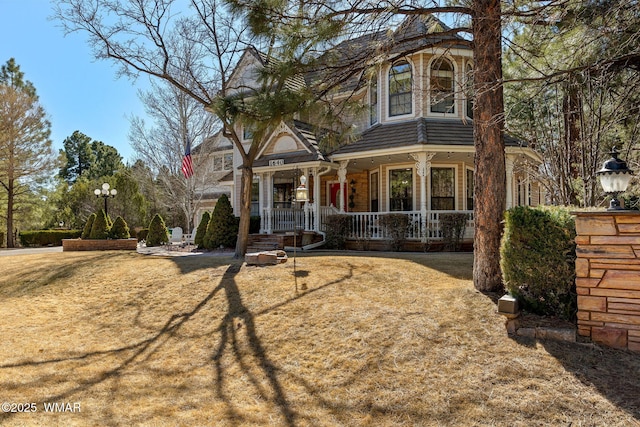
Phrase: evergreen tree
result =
(100, 227)
(202, 229)
(77, 155)
(86, 231)
(223, 226)
(120, 229)
(158, 233)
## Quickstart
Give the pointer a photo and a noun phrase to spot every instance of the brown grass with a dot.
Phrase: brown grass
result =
(379, 340)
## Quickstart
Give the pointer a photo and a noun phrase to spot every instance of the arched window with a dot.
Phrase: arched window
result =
(468, 90)
(400, 82)
(442, 87)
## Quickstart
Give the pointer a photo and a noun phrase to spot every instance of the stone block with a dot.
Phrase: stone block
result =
(596, 226)
(266, 257)
(615, 240)
(605, 251)
(582, 282)
(590, 303)
(634, 346)
(556, 334)
(611, 337)
(629, 228)
(621, 279)
(583, 240)
(508, 304)
(582, 267)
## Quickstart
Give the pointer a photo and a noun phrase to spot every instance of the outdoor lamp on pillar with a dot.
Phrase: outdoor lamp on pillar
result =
(302, 194)
(105, 193)
(614, 178)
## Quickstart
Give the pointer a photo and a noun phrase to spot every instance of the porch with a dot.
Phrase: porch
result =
(363, 225)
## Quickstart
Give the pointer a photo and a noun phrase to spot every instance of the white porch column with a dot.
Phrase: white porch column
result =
(316, 199)
(261, 201)
(510, 160)
(269, 185)
(423, 169)
(342, 177)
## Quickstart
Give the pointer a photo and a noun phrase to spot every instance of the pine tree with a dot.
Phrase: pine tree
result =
(120, 229)
(158, 233)
(86, 231)
(202, 229)
(223, 226)
(100, 226)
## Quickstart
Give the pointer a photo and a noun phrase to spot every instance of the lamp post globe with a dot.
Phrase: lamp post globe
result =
(614, 177)
(105, 192)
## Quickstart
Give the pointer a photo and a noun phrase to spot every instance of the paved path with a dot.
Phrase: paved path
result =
(161, 250)
(29, 251)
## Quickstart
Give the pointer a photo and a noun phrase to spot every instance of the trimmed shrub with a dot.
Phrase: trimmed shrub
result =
(86, 231)
(337, 228)
(158, 233)
(453, 225)
(120, 229)
(100, 226)
(142, 234)
(202, 230)
(537, 258)
(395, 226)
(47, 237)
(222, 229)
(1, 239)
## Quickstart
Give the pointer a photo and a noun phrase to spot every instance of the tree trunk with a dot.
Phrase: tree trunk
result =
(245, 211)
(11, 243)
(488, 123)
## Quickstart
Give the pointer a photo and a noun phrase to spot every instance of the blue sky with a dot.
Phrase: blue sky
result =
(78, 92)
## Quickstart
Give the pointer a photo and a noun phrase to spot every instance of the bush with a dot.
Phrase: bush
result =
(47, 237)
(86, 231)
(142, 234)
(1, 239)
(202, 230)
(223, 226)
(395, 226)
(537, 258)
(120, 229)
(453, 225)
(100, 226)
(158, 233)
(337, 228)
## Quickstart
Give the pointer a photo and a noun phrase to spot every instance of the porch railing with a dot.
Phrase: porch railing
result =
(364, 225)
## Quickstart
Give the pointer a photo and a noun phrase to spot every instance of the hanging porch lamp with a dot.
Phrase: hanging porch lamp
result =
(302, 194)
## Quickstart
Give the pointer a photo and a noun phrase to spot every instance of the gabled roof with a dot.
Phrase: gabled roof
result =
(305, 133)
(418, 132)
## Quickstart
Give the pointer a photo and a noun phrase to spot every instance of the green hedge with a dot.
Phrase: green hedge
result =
(158, 233)
(337, 228)
(1, 239)
(47, 237)
(537, 257)
(395, 226)
(453, 226)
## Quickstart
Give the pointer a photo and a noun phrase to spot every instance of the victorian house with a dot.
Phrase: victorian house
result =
(413, 152)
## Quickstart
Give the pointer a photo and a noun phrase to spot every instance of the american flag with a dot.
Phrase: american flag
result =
(187, 164)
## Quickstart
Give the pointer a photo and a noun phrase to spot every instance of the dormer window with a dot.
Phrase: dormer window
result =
(247, 132)
(400, 82)
(442, 87)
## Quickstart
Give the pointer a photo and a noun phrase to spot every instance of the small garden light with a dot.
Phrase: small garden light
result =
(614, 178)
(302, 194)
(105, 193)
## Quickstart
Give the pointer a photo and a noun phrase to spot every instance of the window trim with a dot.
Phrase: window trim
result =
(371, 173)
(455, 183)
(407, 166)
(467, 169)
(388, 115)
(468, 102)
(374, 109)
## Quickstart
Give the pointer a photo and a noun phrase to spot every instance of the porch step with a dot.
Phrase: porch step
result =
(264, 242)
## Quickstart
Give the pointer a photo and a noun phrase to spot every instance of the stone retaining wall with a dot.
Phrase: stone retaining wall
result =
(99, 245)
(608, 277)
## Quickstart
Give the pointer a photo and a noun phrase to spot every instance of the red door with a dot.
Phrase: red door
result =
(334, 189)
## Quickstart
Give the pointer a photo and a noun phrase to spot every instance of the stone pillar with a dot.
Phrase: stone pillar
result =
(608, 277)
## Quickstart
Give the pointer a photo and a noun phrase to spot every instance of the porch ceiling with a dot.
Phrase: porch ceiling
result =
(373, 162)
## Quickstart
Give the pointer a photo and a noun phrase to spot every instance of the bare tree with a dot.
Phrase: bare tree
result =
(178, 118)
(26, 156)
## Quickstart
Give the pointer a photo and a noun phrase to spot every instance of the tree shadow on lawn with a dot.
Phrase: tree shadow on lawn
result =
(66, 379)
(614, 373)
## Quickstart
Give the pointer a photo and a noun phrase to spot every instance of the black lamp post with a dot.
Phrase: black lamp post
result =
(105, 193)
(614, 178)
(301, 195)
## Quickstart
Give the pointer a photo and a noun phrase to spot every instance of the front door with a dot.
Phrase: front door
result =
(334, 189)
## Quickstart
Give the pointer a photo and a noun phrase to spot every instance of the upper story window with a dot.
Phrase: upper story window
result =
(400, 82)
(222, 162)
(247, 132)
(373, 101)
(442, 87)
(468, 90)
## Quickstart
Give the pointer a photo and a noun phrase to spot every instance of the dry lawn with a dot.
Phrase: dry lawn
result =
(379, 340)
